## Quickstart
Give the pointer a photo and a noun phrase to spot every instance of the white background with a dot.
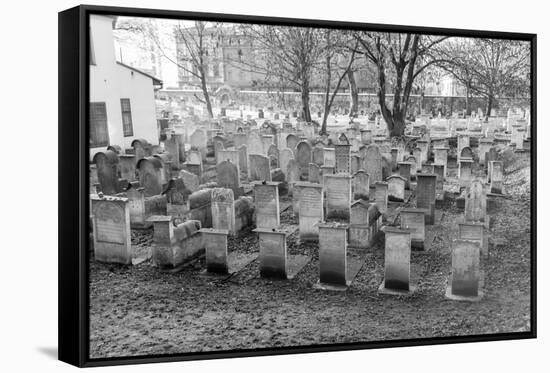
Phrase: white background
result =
(28, 207)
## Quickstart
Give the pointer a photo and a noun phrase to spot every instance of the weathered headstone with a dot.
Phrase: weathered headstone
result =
(396, 188)
(318, 156)
(285, 155)
(215, 244)
(227, 176)
(303, 157)
(425, 195)
(343, 159)
(314, 173)
(465, 171)
(497, 175)
(465, 277)
(107, 171)
(413, 220)
(381, 196)
(259, 167)
(397, 261)
(311, 213)
(329, 155)
(111, 229)
(150, 175)
(223, 210)
(361, 185)
(405, 172)
(338, 192)
(333, 254)
(372, 163)
(266, 204)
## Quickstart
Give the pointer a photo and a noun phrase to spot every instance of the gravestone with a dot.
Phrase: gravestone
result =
(292, 174)
(475, 202)
(466, 152)
(333, 254)
(356, 163)
(361, 185)
(465, 171)
(190, 180)
(492, 155)
(484, 145)
(474, 232)
(141, 207)
(343, 159)
(273, 252)
(198, 140)
(172, 146)
(329, 157)
(259, 167)
(372, 163)
(396, 188)
(285, 155)
(273, 154)
(311, 204)
(462, 142)
(424, 146)
(150, 175)
(292, 142)
(107, 171)
(413, 220)
(440, 157)
(267, 141)
(314, 173)
(425, 195)
(465, 277)
(215, 244)
(439, 171)
(266, 204)
(223, 210)
(405, 172)
(318, 156)
(497, 175)
(254, 144)
(338, 193)
(381, 196)
(142, 148)
(366, 137)
(397, 262)
(412, 160)
(111, 229)
(127, 166)
(362, 220)
(303, 157)
(243, 159)
(239, 139)
(227, 176)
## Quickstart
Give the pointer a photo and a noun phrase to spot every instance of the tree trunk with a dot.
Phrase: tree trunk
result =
(490, 100)
(354, 95)
(468, 103)
(305, 102)
(206, 95)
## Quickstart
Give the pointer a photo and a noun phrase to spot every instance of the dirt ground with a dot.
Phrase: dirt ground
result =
(139, 310)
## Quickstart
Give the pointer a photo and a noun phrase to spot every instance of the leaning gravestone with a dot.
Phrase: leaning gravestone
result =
(465, 277)
(310, 210)
(338, 192)
(396, 188)
(111, 229)
(107, 171)
(496, 171)
(266, 204)
(190, 180)
(397, 262)
(150, 175)
(475, 202)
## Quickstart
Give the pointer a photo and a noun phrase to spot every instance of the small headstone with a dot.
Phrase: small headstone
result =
(338, 192)
(397, 261)
(266, 204)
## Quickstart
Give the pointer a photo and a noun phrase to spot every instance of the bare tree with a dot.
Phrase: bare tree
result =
(195, 53)
(285, 54)
(399, 58)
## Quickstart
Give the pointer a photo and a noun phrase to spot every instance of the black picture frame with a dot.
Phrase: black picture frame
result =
(73, 251)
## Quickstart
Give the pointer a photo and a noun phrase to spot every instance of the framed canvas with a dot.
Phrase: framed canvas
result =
(239, 186)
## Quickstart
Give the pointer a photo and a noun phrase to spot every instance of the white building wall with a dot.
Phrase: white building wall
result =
(109, 82)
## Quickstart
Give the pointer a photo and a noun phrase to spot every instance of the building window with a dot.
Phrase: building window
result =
(126, 117)
(92, 53)
(99, 136)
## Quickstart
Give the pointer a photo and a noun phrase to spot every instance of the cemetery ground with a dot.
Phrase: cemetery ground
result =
(140, 310)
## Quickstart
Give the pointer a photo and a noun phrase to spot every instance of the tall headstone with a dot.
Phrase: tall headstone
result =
(338, 192)
(425, 195)
(311, 212)
(227, 176)
(107, 171)
(259, 167)
(333, 253)
(303, 157)
(465, 171)
(150, 175)
(266, 204)
(396, 188)
(381, 196)
(397, 261)
(343, 159)
(361, 185)
(223, 210)
(465, 277)
(285, 155)
(413, 220)
(497, 175)
(373, 163)
(329, 155)
(405, 172)
(215, 244)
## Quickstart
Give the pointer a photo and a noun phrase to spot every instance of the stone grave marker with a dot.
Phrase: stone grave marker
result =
(381, 196)
(396, 188)
(318, 156)
(405, 172)
(314, 173)
(338, 193)
(266, 204)
(107, 171)
(259, 167)
(497, 176)
(465, 171)
(311, 205)
(465, 277)
(425, 195)
(397, 262)
(150, 175)
(474, 232)
(223, 210)
(285, 155)
(111, 229)
(292, 142)
(343, 159)
(413, 220)
(333, 254)
(215, 244)
(329, 157)
(227, 176)
(372, 163)
(361, 185)
(303, 157)
(440, 157)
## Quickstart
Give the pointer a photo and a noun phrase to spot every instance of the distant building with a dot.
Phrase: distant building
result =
(122, 98)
